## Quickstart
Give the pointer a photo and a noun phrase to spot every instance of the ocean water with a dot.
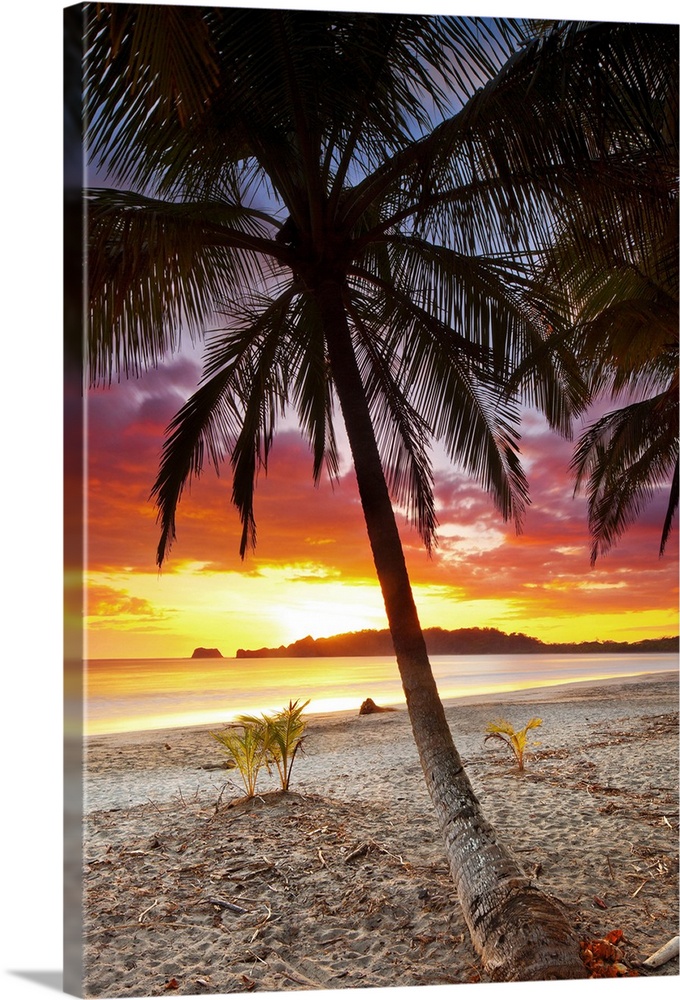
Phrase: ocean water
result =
(127, 695)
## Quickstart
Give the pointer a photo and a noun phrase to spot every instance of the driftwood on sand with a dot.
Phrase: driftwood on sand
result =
(369, 707)
(663, 955)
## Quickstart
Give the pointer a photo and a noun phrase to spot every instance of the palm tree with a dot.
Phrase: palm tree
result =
(628, 336)
(362, 240)
(621, 282)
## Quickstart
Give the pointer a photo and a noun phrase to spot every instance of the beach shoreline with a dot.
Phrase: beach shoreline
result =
(169, 694)
(556, 690)
(594, 819)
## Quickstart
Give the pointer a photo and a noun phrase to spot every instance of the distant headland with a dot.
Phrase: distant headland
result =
(201, 653)
(459, 642)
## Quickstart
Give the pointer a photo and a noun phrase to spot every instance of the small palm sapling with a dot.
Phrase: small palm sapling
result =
(265, 740)
(246, 745)
(517, 741)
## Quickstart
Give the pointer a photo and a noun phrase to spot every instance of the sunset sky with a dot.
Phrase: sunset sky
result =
(312, 572)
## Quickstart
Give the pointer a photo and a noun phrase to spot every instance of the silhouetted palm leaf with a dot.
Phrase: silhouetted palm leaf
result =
(621, 459)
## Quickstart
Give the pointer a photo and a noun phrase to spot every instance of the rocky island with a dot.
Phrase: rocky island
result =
(201, 653)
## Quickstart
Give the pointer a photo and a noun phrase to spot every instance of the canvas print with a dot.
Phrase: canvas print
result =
(371, 389)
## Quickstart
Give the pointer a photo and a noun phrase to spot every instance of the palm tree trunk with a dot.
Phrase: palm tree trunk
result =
(520, 933)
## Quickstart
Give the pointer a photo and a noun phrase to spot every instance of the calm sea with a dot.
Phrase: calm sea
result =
(128, 695)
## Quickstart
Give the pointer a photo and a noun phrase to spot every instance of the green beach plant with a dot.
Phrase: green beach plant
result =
(246, 744)
(517, 741)
(282, 736)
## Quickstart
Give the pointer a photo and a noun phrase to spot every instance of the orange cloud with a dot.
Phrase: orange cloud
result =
(108, 602)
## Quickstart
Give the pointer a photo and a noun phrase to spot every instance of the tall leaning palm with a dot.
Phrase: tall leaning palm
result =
(304, 182)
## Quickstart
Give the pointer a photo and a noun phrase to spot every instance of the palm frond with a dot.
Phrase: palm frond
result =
(311, 388)
(231, 416)
(162, 57)
(459, 326)
(671, 510)
(156, 268)
(625, 297)
(565, 133)
(401, 434)
(621, 460)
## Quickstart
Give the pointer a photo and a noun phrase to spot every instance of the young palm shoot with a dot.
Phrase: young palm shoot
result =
(282, 736)
(247, 746)
(517, 741)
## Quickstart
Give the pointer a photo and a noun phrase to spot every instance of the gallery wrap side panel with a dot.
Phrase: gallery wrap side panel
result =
(74, 501)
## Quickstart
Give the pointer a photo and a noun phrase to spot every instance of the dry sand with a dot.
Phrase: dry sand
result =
(343, 882)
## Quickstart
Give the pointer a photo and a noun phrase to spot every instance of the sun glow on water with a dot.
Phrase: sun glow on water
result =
(182, 720)
(133, 695)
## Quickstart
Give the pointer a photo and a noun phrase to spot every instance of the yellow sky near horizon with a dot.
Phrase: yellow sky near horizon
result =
(169, 617)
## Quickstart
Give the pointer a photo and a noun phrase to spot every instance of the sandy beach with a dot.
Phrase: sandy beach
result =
(343, 882)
